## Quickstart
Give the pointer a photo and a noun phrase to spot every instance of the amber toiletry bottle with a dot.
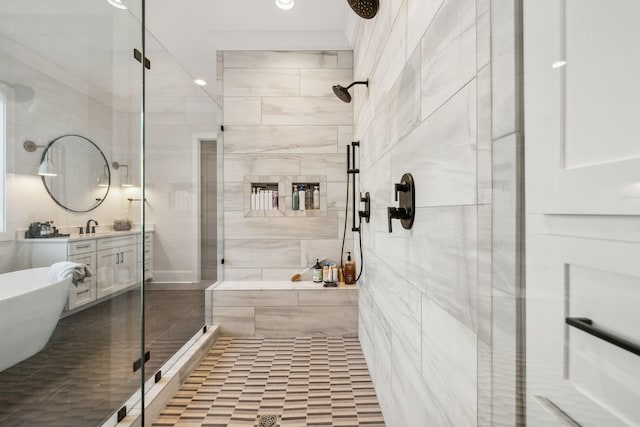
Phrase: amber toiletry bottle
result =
(349, 271)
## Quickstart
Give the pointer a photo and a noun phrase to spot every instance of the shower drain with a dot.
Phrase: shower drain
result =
(267, 421)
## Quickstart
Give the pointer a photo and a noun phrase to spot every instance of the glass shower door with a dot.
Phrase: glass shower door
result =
(71, 95)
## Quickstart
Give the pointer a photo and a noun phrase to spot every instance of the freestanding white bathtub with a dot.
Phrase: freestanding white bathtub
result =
(29, 311)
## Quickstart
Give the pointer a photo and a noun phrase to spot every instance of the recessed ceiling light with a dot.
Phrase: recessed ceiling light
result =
(200, 82)
(285, 4)
(117, 3)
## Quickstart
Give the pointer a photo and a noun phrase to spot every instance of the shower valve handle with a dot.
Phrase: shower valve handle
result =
(403, 186)
(405, 195)
(396, 213)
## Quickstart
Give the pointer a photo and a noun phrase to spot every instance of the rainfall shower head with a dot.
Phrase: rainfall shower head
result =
(343, 92)
(366, 9)
(20, 92)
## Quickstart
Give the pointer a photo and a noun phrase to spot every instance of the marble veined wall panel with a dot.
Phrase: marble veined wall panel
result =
(428, 111)
(283, 120)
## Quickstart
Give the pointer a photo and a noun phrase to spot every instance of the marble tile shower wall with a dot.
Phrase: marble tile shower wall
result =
(425, 301)
(281, 118)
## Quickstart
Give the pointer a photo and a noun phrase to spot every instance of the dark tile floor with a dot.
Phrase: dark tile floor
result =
(85, 372)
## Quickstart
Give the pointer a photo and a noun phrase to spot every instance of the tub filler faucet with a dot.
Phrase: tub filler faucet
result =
(88, 229)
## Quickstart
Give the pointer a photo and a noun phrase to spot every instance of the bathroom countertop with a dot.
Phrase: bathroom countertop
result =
(246, 285)
(75, 237)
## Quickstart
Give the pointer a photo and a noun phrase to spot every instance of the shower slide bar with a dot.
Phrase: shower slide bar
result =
(586, 325)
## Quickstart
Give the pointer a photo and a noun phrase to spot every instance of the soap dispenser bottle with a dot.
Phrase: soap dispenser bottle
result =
(349, 271)
(317, 272)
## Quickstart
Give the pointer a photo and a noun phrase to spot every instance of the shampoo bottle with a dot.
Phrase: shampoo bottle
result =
(295, 199)
(253, 198)
(349, 271)
(302, 196)
(316, 198)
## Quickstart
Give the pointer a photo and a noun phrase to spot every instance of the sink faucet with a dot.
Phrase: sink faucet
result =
(88, 228)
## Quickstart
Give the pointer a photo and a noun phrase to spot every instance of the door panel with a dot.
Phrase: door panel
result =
(583, 168)
(582, 162)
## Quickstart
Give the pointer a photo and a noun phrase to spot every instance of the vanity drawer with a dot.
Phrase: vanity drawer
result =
(115, 242)
(82, 247)
(84, 293)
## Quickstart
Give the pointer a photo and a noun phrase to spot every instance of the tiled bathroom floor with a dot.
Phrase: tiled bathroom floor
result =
(302, 381)
(85, 372)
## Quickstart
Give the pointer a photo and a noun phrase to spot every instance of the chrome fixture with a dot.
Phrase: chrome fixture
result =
(366, 9)
(343, 92)
(126, 182)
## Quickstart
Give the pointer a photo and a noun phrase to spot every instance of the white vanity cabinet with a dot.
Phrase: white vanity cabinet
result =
(117, 263)
(84, 292)
(34, 253)
(147, 256)
(115, 259)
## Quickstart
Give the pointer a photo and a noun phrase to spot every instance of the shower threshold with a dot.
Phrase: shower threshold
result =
(158, 391)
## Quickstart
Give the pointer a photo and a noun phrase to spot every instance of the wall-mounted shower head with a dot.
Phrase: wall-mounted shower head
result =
(19, 92)
(366, 9)
(343, 92)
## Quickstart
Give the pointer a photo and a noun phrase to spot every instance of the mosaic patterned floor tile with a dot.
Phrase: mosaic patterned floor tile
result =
(303, 382)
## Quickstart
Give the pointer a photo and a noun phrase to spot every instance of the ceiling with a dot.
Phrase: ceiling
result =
(89, 41)
(193, 30)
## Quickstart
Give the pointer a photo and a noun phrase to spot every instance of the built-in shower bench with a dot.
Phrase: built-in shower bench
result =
(283, 309)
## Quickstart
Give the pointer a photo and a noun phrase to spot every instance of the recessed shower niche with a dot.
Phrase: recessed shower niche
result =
(274, 195)
(263, 196)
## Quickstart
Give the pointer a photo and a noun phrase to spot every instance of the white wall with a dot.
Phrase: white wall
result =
(56, 109)
(177, 113)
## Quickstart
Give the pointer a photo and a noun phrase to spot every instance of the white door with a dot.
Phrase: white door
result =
(582, 162)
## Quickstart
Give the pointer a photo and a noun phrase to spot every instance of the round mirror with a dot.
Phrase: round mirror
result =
(75, 173)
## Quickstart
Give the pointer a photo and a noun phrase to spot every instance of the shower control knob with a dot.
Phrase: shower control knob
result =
(397, 213)
(403, 186)
(405, 195)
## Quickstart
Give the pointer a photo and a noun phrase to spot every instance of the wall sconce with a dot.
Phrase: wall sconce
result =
(105, 179)
(125, 182)
(47, 167)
